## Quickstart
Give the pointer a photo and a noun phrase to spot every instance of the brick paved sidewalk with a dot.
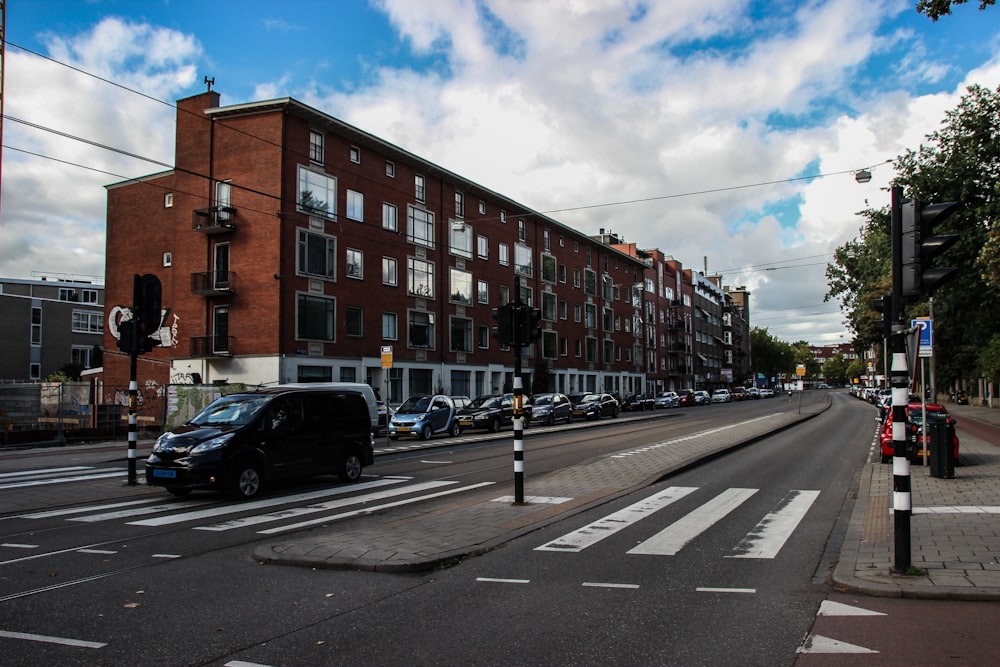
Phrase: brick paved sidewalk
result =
(954, 527)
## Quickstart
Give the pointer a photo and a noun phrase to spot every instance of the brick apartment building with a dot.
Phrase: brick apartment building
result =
(292, 247)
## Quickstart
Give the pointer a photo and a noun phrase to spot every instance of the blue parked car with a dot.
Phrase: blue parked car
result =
(424, 416)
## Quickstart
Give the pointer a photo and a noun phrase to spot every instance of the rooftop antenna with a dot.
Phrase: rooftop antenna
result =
(209, 83)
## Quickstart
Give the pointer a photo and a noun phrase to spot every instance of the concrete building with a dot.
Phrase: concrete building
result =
(49, 323)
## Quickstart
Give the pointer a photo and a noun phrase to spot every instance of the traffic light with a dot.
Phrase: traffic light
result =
(126, 336)
(920, 246)
(504, 330)
(883, 305)
(529, 325)
(134, 334)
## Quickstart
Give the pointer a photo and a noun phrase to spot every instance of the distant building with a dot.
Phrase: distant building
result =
(47, 324)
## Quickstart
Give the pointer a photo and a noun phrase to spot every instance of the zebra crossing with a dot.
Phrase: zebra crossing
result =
(764, 541)
(206, 514)
(48, 476)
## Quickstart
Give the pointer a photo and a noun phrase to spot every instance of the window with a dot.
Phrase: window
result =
(389, 217)
(317, 193)
(522, 260)
(168, 259)
(461, 239)
(390, 272)
(220, 330)
(36, 326)
(389, 326)
(80, 356)
(562, 273)
(354, 321)
(563, 346)
(546, 240)
(421, 330)
(590, 316)
(461, 334)
(220, 276)
(419, 278)
(419, 188)
(609, 320)
(355, 264)
(223, 200)
(590, 282)
(315, 318)
(67, 294)
(609, 351)
(608, 288)
(390, 169)
(576, 312)
(504, 295)
(562, 310)
(522, 229)
(168, 200)
(591, 349)
(482, 207)
(550, 343)
(548, 268)
(460, 289)
(484, 337)
(421, 226)
(549, 306)
(348, 374)
(355, 155)
(504, 254)
(576, 278)
(317, 255)
(459, 204)
(483, 247)
(88, 322)
(482, 292)
(355, 206)
(316, 146)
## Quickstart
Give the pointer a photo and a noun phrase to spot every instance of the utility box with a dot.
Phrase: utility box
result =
(941, 433)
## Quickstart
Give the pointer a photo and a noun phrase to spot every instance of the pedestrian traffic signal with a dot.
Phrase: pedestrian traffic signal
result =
(529, 325)
(920, 246)
(504, 330)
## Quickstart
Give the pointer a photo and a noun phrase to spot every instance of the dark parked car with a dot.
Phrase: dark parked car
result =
(492, 412)
(638, 402)
(550, 408)
(595, 406)
(243, 442)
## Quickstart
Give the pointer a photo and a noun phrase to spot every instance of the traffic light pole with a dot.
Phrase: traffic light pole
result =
(901, 498)
(133, 402)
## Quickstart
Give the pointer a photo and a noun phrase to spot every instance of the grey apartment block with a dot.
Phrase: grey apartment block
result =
(48, 323)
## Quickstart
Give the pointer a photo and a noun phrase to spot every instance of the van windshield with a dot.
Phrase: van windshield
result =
(230, 411)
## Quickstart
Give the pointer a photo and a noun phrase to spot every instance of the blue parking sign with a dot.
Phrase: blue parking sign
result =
(926, 338)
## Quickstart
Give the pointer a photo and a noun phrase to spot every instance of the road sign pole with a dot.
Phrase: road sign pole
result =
(518, 399)
(901, 501)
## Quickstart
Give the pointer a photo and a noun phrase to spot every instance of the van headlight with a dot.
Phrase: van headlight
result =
(213, 444)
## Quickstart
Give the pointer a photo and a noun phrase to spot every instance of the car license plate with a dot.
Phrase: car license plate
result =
(465, 422)
(168, 474)
(403, 429)
(578, 412)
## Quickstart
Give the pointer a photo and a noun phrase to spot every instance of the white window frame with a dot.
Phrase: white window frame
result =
(390, 271)
(420, 226)
(354, 264)
(303, 245)
(390, 217)
(460, 284)
(419, 278)
(355, 205)
(323, 190)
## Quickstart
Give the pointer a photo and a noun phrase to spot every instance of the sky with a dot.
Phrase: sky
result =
(726, 133)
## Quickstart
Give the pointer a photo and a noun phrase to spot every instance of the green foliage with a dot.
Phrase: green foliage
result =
(935, 9)
(770, 355)
(959, 162)
(835, 370)
(989, 359)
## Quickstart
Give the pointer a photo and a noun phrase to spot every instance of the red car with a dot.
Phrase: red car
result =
(913, 427)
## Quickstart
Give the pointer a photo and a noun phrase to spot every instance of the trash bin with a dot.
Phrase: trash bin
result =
(941, 433)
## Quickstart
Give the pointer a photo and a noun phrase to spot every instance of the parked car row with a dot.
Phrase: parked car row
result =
(918, 445)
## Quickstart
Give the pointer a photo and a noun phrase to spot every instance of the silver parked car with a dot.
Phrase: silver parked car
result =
(667, 399)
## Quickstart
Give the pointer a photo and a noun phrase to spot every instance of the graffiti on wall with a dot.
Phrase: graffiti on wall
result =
(166, 335)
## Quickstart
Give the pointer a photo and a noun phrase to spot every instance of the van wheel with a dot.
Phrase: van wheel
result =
(248, 481)
(349, 469)
(456, 430)
(178, 490)
(425, 432)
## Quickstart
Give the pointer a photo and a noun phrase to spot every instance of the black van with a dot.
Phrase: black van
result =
(241, 442)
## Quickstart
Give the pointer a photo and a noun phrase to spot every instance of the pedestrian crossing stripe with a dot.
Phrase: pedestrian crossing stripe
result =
(763, 542)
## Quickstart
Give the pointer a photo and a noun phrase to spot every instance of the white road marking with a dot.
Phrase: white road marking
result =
(672, 539)
(592, 533)
(62, 480)
(821, 644)
(241, 663)
(540, 500)
(595, 584)
(767, 538)
(830, 608)
(43, 471)
(136, 511)
(693, 436)
(706, 589)
(491, 580)
(369, 510)
(14, 545)
(957, 509)
(166, 555)
(96, 551)
(51, 640)
(89, 508)
(258, 504)
(322, 507)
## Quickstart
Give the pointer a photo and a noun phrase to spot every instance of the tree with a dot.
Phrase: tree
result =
(835, 370)
(989, 359)
(959, 162)
(770, 355)
(935, 9)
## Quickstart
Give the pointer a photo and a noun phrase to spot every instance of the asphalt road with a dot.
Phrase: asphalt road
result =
(724, 565)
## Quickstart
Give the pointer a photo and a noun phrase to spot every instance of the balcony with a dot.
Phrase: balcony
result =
(213, 283)
(212, 346)
(214, 220)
